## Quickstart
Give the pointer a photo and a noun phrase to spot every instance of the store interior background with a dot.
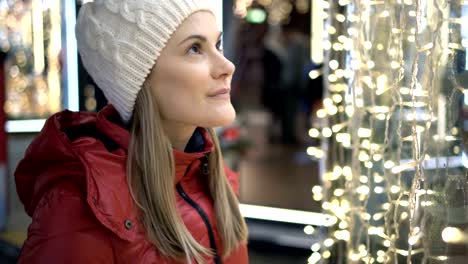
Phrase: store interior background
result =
(276, 171)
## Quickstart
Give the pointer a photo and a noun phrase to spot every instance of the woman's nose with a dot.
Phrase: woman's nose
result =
(223, 67)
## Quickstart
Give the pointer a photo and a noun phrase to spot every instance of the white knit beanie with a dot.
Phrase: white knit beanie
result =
(120, 40)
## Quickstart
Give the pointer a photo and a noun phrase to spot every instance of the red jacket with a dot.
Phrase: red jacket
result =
(72, 183)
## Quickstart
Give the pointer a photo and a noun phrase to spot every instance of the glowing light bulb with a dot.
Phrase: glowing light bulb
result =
(327, 132)
(315, 152)
(343, 39)
(352, 32)
(364, 179)
(387, 243)
(347, 172)
(317, 197)
(309, 230)
(342, 235)
(332, 78)
(343, 225)
(396, 31)
(337, 46)
(341, 18)
(337, 171)
(354, 256)
(363, 189)
(317, 189)
(334, 64)
(314, 133)
(332, 110)
(368, 45)
(314, 74)
(349, 110)
(412, 240)
(385, 14)
(377, 157)
(314, 258)
(453, 235)
(379, 189)
(315, 247)
(337, 98)
(331, 30)
(386, 206)
(394, 189)
(389, 164)
(377, 216)
(338, 192)
(364, 132)
(328, 242)
(395, 65)
(363, 156)
(340, 73)
(321, 113)
(403, 203)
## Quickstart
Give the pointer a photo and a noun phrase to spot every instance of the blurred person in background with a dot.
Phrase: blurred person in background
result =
(142, 181)
(293, 81)
(271, 78)
(248, 81)
(313, 94)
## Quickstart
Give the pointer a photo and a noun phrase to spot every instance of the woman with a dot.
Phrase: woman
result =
(143, 180)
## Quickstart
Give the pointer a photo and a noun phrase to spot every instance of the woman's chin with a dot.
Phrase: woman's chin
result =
(224, 117)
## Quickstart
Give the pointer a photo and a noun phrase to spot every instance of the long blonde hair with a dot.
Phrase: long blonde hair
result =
(151, 172)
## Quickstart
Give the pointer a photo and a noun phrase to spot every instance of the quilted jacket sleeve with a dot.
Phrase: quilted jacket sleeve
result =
(64, 230)
(233, 178)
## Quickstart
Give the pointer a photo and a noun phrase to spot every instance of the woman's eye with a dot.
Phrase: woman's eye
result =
(195, 48)
(219, 45)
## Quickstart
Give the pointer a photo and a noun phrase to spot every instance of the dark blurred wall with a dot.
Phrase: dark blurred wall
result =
(3, 148)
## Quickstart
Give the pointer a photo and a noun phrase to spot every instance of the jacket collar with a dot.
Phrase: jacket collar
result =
(183, 159)
(109, 123)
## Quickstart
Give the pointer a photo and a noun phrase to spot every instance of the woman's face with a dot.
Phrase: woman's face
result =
(192, 78)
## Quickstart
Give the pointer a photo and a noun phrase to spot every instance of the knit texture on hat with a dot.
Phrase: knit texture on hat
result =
(120, 40)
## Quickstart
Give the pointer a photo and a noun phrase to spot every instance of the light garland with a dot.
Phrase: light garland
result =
(32, 39)
(278, 10)
(392, 140)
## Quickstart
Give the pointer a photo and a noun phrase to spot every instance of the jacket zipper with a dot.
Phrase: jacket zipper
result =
(180, 190)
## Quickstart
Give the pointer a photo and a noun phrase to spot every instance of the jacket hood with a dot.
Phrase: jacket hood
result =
(56, 153)
(47, 156)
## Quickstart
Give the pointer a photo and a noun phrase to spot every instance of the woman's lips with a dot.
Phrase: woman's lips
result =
(221, 93)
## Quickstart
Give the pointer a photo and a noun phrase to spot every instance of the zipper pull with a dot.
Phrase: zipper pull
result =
(205, 169)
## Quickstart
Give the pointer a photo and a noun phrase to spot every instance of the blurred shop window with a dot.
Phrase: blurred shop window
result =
(30, 35)
(91, 98)
(273, 98)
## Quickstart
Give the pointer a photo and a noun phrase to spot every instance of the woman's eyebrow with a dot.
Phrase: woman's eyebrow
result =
(199, 37)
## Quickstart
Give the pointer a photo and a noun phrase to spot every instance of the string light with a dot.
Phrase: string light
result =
(454, 235)
(31, 37)
(388, 138)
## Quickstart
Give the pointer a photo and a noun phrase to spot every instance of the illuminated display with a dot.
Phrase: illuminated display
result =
(31, 37)
(395, 175)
